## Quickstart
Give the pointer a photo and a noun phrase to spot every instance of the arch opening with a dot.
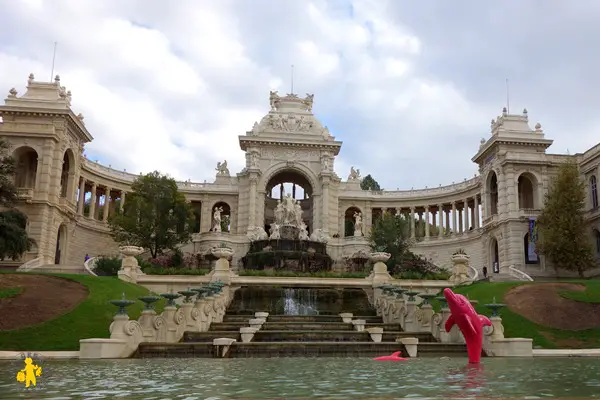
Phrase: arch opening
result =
(594, 191)
(350, 220)
(289, 183)
(67, 174)
(61, 244)
(494, 256)
(221, 217)
(492, 190)
(526, 187)
(27, 163)
(597, 242)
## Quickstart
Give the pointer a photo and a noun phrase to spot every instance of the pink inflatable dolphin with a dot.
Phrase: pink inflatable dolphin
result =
(469, 322)
(392, 357)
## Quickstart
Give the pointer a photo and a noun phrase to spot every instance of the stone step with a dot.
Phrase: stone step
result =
(386, 327)
(319, 318)
(227, 326)
(237, 318)
(310, 336)
(503, 278)
(307, 326)
(296, 349)
(61, 269)
(209, 336)
(391, 336)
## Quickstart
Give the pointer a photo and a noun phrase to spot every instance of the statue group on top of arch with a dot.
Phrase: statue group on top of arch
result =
(288, 222)
(275, 99)
(358, 223)
(222, 169)
(354, 175)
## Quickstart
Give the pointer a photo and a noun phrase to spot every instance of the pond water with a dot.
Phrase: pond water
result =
(307, 378)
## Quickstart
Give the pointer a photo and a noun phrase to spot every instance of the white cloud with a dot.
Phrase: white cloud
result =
(171, 88)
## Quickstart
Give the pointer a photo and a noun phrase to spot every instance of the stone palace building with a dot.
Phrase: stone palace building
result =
(489, 216)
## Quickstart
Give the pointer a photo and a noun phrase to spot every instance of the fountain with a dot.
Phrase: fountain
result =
(188, 294)
(299, 302)
(288, 247)
(149, 301)
(494, 307)
(122, 304)
(426, 298)
(170, 298)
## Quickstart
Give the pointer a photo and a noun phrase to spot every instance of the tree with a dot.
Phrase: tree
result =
(391, 234)
(368, 183)
(14, 240)
(156, 216)
(563, 231)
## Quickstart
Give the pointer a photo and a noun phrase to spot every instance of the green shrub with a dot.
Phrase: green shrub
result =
(153, 270)
(417, 275)
(107, 266)
(293, 274)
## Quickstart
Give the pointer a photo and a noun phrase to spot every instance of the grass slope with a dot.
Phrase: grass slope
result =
(90, 319)
(10, 292)
(517, 326)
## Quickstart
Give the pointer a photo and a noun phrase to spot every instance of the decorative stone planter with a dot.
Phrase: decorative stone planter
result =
(247, 333)
(410, 344)
(379, 256)
(131, 251)
(222, 252)
(376, 334)
(359, 325)
(346, 317)
(129, 265)
(256, 323)
(460, 273)
(260, 314)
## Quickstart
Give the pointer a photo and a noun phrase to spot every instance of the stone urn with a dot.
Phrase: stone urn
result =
(222, 252)
(130, 268)
(380, 270)
(379, 256)
(222, 270)
(460, 272)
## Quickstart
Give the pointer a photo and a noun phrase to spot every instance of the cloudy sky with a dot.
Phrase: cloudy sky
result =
(409, 87)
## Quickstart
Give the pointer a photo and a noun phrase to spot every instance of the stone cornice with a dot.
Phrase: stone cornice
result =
(81, 130)
(249, 141)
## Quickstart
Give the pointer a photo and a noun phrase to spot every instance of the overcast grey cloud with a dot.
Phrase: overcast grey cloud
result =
(409, 87)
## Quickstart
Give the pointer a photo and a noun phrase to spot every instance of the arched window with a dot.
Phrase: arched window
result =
(594, 190)
(529, 251)
(597, 241)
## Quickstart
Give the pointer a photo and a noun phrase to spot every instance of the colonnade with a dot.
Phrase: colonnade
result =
(108, 195)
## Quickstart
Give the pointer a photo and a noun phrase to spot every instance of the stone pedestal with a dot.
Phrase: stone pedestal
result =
(129, 265)
(380, 270)
(460, 273)
(346, 317)
(222, 271)
(376, 334)
(426, 315)
(410, 322)
(411, 345)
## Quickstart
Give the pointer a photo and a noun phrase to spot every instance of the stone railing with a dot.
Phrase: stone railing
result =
(413, 312)
(426, 192)
(518, 274)
(167, 327)
(89, 265)
(30, 265)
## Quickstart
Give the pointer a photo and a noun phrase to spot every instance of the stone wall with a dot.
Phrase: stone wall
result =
(90, 238)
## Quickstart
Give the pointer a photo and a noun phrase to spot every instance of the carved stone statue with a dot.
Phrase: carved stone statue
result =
(254, 160)
(319, 236)
(308, 101)
(303, 235)
(274, 99)
(358, 222)
(222, 169)
(256, 233)
(326, 162)
(354, 174)
(275, 232)
(217, 219)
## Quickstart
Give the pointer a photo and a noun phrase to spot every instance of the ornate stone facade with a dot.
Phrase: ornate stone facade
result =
(487, 215)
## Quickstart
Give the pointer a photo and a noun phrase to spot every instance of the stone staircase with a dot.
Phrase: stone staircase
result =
(503, 277)
(59, 268)
(299, 336)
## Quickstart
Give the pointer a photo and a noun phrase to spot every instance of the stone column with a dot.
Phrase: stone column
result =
(476, 213)
(454, 230)
(412, 223)
(93, 202)
(122, 200)
(426, 222)
(325, 200)
(466, 215)
(81, 196)
(441, 220)
(252, 203)
(105, 211)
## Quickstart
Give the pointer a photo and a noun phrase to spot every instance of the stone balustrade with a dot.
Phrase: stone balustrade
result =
(166, 327)
(398, 306)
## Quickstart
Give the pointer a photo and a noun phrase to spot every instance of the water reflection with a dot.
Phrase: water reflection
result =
(310, 378)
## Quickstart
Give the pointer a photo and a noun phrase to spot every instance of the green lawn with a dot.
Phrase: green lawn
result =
(518, 326)
(90, 319)
(10, 292)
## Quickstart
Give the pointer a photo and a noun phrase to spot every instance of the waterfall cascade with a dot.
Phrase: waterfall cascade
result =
(300, 302)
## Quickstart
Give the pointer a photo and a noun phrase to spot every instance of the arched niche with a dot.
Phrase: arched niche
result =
(596, 235)
(492, 192)
(527, 185)
(349, 220)
(494, 259)
(225, 215)
(61, 245)
(289, 182)
(27, 162)
(67, 175)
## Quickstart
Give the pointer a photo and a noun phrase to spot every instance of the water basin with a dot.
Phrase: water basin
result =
(309, 378)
